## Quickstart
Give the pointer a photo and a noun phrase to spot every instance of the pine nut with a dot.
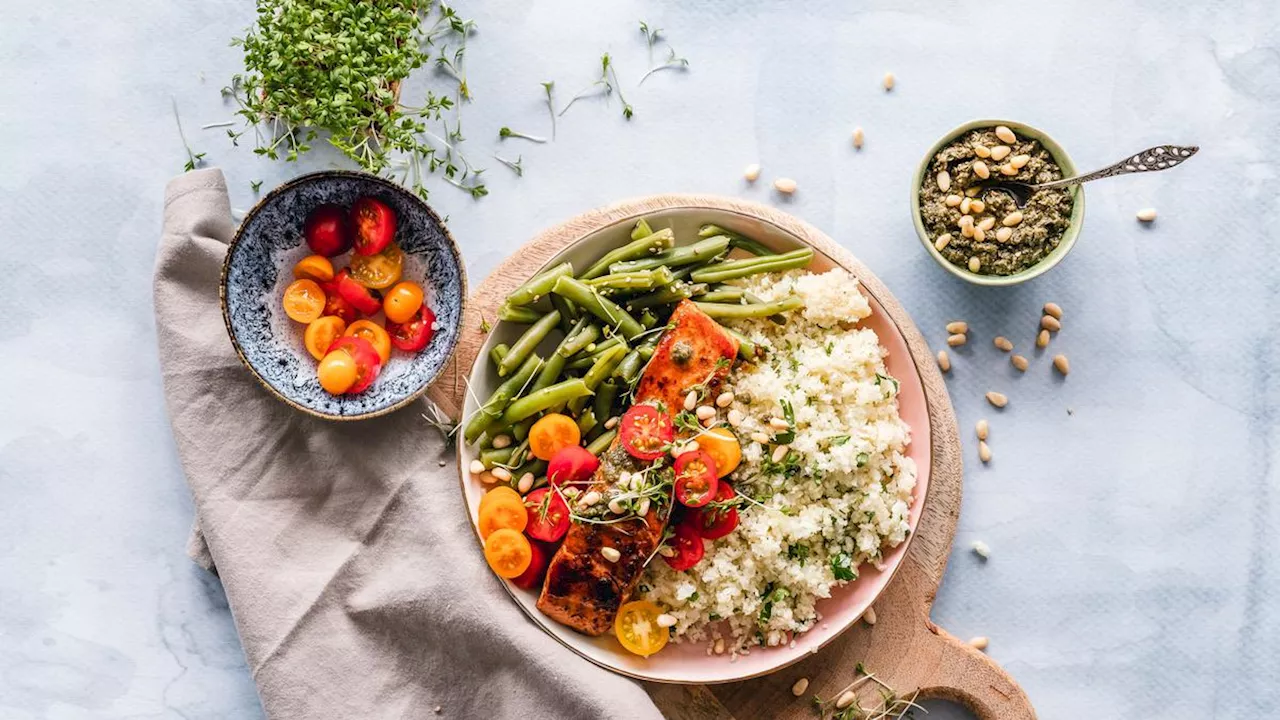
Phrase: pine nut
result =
(965, 221)
(982, 151)
(1061, 365)
(719, 646)
(526, 483)
(1005, 134)
(610, 554)
(642, 508)
(979, 235)
(666, 551)
(611, 423)
(965, 205)
(691, 401)
(1051, 308)
(1019, 161)
(984, 451)
(977, 206)
(1003, 343)
(780, 453)
(616, 507)
(981, 549)
(487, 478)
(889, 81)
(724, 399)
(957, 326)
(953, 200)
(973, 191)
(752, 173)
(1147, 214)
(981, 170)
(858, 137)
(501, 441)
(986, 223)
(943, 240)
(957, 340)
(974, 263)
(1012, 218)
(979, 643)
(589, 499)
(982, 429)
(706, 412)
(1003, 234)
(666, 620)
(760, 437)
(476, 467)
(1019, 362)
(845, 700)
(502, 474)
(736, 417)
(779, 424)
(869, 617)
(944, 181)
(997, 399)
(571, 492)
(1007, 169)
(1000, 152)
(786, 186)
(1042, 340)
(800, 687)
(966, 230)
(1051, 323)
(944, 361)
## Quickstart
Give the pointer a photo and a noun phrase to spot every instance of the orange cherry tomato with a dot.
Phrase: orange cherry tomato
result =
(502, 511)
(314, 267)
(637, 628)
(723, 446)
(402, 302)
(551, 434)
(337, 372)
(321, 333)
(303, 301)
(379, 271)
(508, 552)
(496, 495)
(375, 334)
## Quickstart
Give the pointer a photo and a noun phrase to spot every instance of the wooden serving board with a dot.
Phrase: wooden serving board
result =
(904, 648)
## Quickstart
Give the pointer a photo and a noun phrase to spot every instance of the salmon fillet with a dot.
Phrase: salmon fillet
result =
(582, 589)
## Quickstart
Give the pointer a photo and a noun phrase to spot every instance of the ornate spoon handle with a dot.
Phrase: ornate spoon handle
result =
(1161, 157)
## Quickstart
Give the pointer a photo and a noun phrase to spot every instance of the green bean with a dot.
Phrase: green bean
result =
(753, 299)
(523, 315)
(602, 443)
(723, 293)
(731, 269)
(646, 352)
(600, 370)
(737, 240)
(520, 431)
(583, 334)
(669, 295)
(498, 352)
(597, 350)
(642, 229)
(639, 280)
(641, 247)
(747, 350)
(520, 454)
(546, 397)
(739, 312)
(527, 343)
(687, 255)
(537, 467)
(648, 319)
(602, 404)
(493, 408)
(496, 457)
(628, 370)
(587, 422)
(539, 285)
(596, 304)
(568, 313)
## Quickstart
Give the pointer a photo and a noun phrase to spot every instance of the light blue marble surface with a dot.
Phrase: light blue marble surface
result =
(1134, 570)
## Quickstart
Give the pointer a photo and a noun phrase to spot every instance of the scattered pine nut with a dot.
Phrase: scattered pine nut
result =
(977, 206)
(1008, 169)
(957, 340)
(780, 453)
(487, 478)
(966, 205)
(966, 223)
(705, 412)
(752, 173)
(502, 474)
(724, 399)
(982, 549)
(786, 186)
(974, 263)
(846, 699)
(997, 399)
(943, 240)
(691, 401)
(981, 170)
(1003, 343)
(800, 687)
(736, 417)
(666, 620)
(984, 451)
(985, 223)
(1012, 218)
(982, 151)
(1005, 134)
(610, 554)
(591, 498)
(611, 423)
(760, 438)
(1003, 234)
(944, 361)
(973, 191)
(1053, 309)
(501, 441)
(617, 508)
(719, 646)
(979, 643)
(889, 81)
(1019, 362)
(1000, 152)
(779, 424)
(1051, 323)
(858, 137)
(957, 326)
(642, 509)
(979, 234)
(953, 200)
(1147, 214)
(476, 467)
(526, 483)
(1061, 365)
(1019, 161)
(944, 181)
(1042, 340)
(982, 429)
(869, 617)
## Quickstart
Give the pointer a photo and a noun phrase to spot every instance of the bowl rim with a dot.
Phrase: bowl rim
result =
(1069, 236)
(226, 269)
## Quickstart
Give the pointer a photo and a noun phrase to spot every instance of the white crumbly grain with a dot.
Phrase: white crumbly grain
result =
(851, 497)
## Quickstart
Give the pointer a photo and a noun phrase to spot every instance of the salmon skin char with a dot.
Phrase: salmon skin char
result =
(582, 589)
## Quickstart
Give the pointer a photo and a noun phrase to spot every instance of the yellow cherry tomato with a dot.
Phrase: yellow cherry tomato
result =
(502, 511)
(321, 333)
(636, 626)
(402, 302)
(508, 553)
(551, 434)
(375, 334)
(496, 494)
(379, 271)
(337, 372)
(723, 446)
(303, 301)
(314, 267)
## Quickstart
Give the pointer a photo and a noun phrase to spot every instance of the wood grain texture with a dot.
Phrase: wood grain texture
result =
(904, 648)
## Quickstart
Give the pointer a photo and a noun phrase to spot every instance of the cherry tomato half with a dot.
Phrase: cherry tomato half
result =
(373, 225)
(573, 464)
(321, 333)
(368, 364)
(688, 546)
(645, 432)
(414, 335)
(552, 433)
(314, 267)
(327, 231)
(548, 515)
(379, 271)
(402, 301)
(508, 553)
(636, 626)
(303, 300)
(361, 298)
(376, 336)
(695, 478)
(335, 305)
(714, 521)
(501, 510)
(540, 557)
(723, 446)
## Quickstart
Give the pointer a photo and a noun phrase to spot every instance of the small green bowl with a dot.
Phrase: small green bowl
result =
(1068, 238)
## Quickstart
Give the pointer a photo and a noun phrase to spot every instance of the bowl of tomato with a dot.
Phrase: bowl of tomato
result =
(342, 293)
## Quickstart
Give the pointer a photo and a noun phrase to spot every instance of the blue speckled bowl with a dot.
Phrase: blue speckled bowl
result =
(259, 266)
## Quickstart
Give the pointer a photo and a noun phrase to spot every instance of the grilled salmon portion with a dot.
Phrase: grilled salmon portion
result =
(584, 590)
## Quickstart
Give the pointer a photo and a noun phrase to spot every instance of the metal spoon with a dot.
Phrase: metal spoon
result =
(1161, 157)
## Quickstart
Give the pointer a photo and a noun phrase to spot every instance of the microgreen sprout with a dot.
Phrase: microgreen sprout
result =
(255, 185)
(651, 38)
(194, 159)
(606, 84)
(506, 132)
(224, 123)
(513, 164)
(549, 88)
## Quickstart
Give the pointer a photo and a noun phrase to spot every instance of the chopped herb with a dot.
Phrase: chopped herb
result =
(839, 440)
(842, 567)
(506, 132)
(863, 459)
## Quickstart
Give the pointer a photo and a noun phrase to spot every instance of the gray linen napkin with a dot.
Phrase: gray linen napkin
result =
(353, 576)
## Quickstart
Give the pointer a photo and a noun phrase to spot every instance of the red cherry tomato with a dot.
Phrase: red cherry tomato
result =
(645, 432)
(327, 231)
(373, 224)
(548, 515)
(532, 577)
(335, 305)
(688, 546)
(696, 478)
(573, 464)
(712, 522)
(364, 299)
(368, 364)
(414, 335)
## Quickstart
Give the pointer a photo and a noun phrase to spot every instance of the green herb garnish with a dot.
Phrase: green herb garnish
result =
(506, 132)
(842, 567)
(194, 159)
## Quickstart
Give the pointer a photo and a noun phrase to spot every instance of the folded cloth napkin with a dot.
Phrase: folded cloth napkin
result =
(355, 581)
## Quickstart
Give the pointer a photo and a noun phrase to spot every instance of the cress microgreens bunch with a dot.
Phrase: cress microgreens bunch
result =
(335, 67)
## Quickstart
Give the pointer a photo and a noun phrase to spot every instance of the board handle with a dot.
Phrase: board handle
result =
(967, 676)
